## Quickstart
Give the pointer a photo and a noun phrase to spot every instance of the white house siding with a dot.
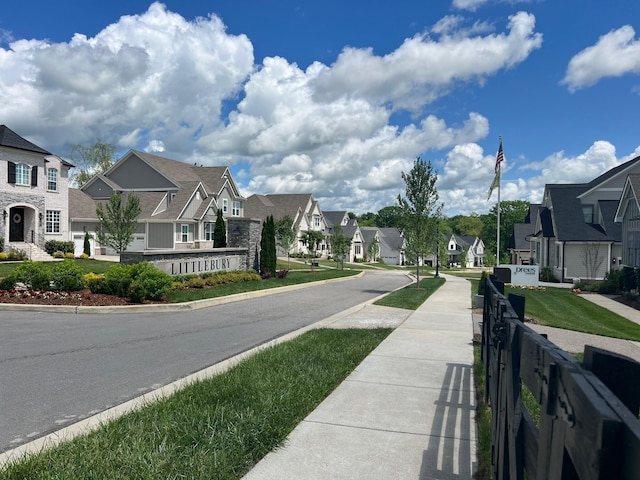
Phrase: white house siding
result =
(574, 260)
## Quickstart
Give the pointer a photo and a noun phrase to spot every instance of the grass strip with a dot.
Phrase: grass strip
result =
(214, 429)
(561, 308)
(411, 297)
(294, 277)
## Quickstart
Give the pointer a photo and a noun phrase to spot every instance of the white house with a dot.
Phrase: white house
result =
(33, 195)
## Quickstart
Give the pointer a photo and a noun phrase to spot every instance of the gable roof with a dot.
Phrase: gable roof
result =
(9, 138)
(568, 218)
(630, 192)
(610, 174)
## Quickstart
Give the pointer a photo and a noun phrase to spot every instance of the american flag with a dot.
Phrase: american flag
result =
(499, 158)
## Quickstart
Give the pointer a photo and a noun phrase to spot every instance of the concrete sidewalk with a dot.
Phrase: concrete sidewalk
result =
(406, 412)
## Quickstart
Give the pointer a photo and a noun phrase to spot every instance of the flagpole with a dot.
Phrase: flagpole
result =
(498, 229)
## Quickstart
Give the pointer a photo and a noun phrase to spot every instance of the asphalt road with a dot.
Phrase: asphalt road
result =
(56, 369)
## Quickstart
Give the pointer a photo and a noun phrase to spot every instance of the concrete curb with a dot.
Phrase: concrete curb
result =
(169, 307)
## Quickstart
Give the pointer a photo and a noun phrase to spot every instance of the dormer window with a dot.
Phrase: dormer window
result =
(587, 213)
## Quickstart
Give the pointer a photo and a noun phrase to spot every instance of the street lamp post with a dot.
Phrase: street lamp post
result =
(437, 275)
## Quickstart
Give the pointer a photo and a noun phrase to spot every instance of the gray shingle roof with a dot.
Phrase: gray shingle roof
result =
(9, 138)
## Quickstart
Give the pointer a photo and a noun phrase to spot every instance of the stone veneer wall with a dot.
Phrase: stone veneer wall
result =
(243, 243)
(246, 233)
(28, 201)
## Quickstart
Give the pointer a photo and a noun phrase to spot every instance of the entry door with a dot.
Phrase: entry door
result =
(16, 226)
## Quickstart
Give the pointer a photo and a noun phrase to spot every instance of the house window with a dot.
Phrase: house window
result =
(236, 209)
(52, 179)
(587, 212)
(208, 231)
(22, 174)
(357, 249)
(225, 205)
(184, 233)
(52, 221)
(317, 220)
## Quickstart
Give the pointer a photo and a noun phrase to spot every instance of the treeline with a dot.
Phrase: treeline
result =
(474, 225)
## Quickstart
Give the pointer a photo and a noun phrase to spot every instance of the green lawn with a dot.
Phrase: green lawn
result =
(294, 277)
(411, 297)
(561, 308)
(218, 428)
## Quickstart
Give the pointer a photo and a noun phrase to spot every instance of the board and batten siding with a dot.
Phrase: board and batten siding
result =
(160, 235)
(575, 260)
(631, 235)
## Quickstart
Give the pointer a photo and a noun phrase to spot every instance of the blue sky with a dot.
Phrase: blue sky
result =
(332, 97)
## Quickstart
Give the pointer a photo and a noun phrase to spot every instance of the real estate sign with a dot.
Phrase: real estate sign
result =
(524, 274)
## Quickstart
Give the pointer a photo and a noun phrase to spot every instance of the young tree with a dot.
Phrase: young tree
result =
(268, 256)
(286, 236)
(373, 250)
(91, 160)
(419, 211)
(86, 247)
(219, 231)
(340, 245)
(118, 221)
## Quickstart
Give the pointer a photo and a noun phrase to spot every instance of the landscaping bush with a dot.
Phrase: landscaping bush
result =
(95, 282)
(612, 283)
(86, 247)
(629, 279)
(154, 283)
(52, 246)
(117, 280)
(17, 255)
(282, 273)
(69, 255)
(7, 283)
(136, 292)
(68, 276)
(3, 256)
(482, 282)
(34, 275)
(546, 275)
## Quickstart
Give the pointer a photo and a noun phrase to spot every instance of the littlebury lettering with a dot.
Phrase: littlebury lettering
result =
(200, 266)
(187, 266)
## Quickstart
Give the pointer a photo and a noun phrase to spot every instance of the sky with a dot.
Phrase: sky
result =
(335, 98)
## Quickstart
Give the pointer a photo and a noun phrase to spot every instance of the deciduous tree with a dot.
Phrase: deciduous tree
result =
(286, 236)
(340, 245)
(118, 221)
(420, 211)
(91, 160)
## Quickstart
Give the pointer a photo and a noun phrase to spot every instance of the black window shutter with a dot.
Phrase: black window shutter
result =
(34, 176)
(12, 172)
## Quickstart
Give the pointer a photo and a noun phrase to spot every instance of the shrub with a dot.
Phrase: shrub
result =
(35, 275)
(95, 282)
(136, 292)
(67, 276)
(155, 283)
(19, 255)
(612, 283)
(117, 280)
(52, 246)
(69, 255)
(83, 256)
(86, 247)
(282, 273)
(198, 282)
(546, 275)
(481, 283)
(7, 283)
(3, 256)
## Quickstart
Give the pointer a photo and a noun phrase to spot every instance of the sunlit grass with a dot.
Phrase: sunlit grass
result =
(214, 429)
